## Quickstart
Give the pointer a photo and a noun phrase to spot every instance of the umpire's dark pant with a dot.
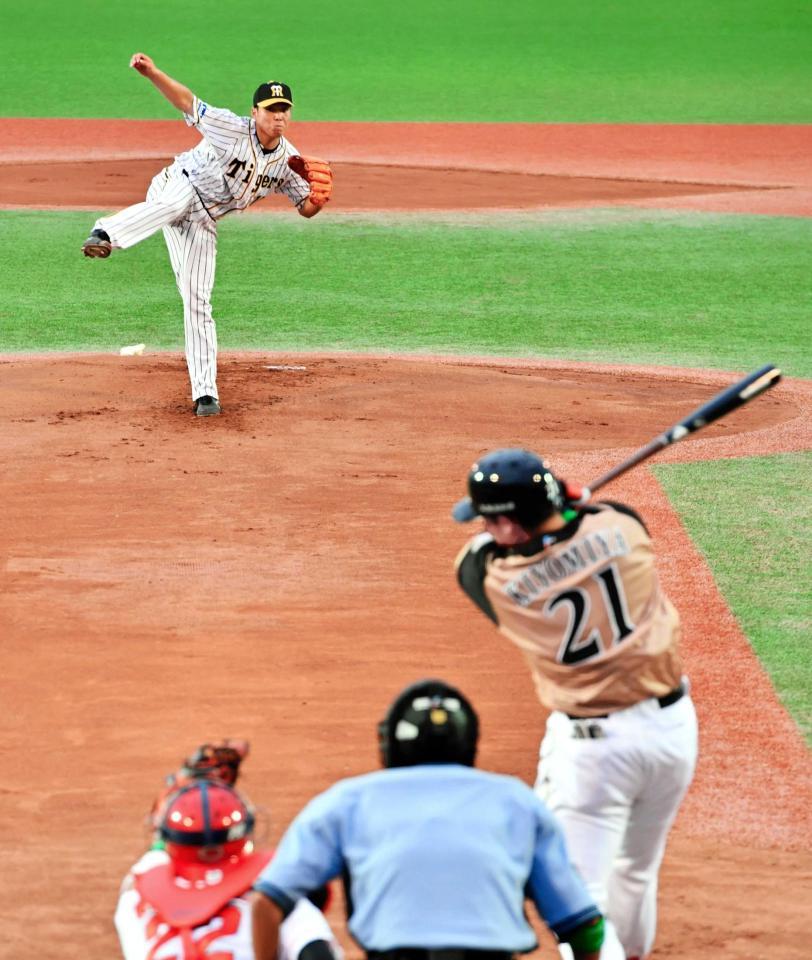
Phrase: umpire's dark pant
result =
(446, 953)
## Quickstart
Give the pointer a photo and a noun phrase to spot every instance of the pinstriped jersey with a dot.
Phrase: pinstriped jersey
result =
(230, 169)
(585, 606)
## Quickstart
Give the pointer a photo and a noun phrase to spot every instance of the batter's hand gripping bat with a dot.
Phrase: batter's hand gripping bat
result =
(719, 406)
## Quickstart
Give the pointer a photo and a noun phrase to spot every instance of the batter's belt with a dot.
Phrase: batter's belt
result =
(446, 953)
(665, 701)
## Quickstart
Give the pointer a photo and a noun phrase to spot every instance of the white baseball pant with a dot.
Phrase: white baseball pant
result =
(172, 204)
(616, 795)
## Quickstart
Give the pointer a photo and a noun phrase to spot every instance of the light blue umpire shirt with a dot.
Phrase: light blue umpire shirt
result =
(438, 855)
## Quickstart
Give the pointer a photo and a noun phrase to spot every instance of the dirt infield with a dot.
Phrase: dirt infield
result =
(277, 573)
(407, 166)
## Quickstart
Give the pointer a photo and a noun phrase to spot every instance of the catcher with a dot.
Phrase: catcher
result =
(187, 897)
(238, 161)
(210, 761)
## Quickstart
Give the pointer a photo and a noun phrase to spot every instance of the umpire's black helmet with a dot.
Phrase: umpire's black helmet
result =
(513, 482)
(429, 722)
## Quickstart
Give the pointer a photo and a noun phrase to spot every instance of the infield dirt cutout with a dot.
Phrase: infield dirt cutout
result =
(281, 571)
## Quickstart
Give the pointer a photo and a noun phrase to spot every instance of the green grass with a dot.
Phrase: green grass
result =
(685, 289)
(752, 519)
(731, 61)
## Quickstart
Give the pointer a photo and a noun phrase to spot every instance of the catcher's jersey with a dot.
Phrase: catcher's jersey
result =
(585, 607)
(226, 936)
(230, 169)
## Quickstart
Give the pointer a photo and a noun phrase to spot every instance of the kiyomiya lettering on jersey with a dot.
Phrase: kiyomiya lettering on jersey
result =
(580, 555)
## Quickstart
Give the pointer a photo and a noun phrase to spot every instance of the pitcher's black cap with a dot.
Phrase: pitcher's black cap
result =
(274, 91)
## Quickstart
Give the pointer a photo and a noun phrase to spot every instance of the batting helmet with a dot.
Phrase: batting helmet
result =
(206, 822)
(513, 482)
(429, 722)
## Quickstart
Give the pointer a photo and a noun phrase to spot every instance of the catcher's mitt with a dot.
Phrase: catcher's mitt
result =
(317, 173)
(216, 761)
(211, 761)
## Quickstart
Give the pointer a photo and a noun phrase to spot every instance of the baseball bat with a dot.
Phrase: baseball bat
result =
(719, 406)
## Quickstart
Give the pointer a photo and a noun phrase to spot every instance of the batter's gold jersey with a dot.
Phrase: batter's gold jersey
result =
(585, 606)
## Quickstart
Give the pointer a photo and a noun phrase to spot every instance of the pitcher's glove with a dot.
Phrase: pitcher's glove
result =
(317, 173)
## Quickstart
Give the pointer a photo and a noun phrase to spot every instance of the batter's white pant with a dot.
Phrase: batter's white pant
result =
(173, 205)
(616, 796)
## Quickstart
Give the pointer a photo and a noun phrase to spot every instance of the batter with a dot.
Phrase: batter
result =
(577, 592)
(238, 161)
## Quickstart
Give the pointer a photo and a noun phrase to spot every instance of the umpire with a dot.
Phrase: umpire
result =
(437, 857)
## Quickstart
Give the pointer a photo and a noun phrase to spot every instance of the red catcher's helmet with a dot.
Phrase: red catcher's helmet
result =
(207, 823)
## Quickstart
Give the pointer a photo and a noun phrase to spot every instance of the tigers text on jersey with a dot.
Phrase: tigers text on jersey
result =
(587, 611)
(226, 936)
(230, 169)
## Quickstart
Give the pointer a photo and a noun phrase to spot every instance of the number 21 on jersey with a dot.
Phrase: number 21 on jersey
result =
(597, 616)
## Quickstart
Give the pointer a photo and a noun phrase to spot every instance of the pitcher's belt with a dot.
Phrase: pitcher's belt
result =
(665, 701)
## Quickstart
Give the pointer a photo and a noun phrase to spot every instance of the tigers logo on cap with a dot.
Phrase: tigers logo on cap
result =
(274, 91)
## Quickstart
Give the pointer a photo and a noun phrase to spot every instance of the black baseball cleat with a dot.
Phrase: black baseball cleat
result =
(207, 406)
(97, 245)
